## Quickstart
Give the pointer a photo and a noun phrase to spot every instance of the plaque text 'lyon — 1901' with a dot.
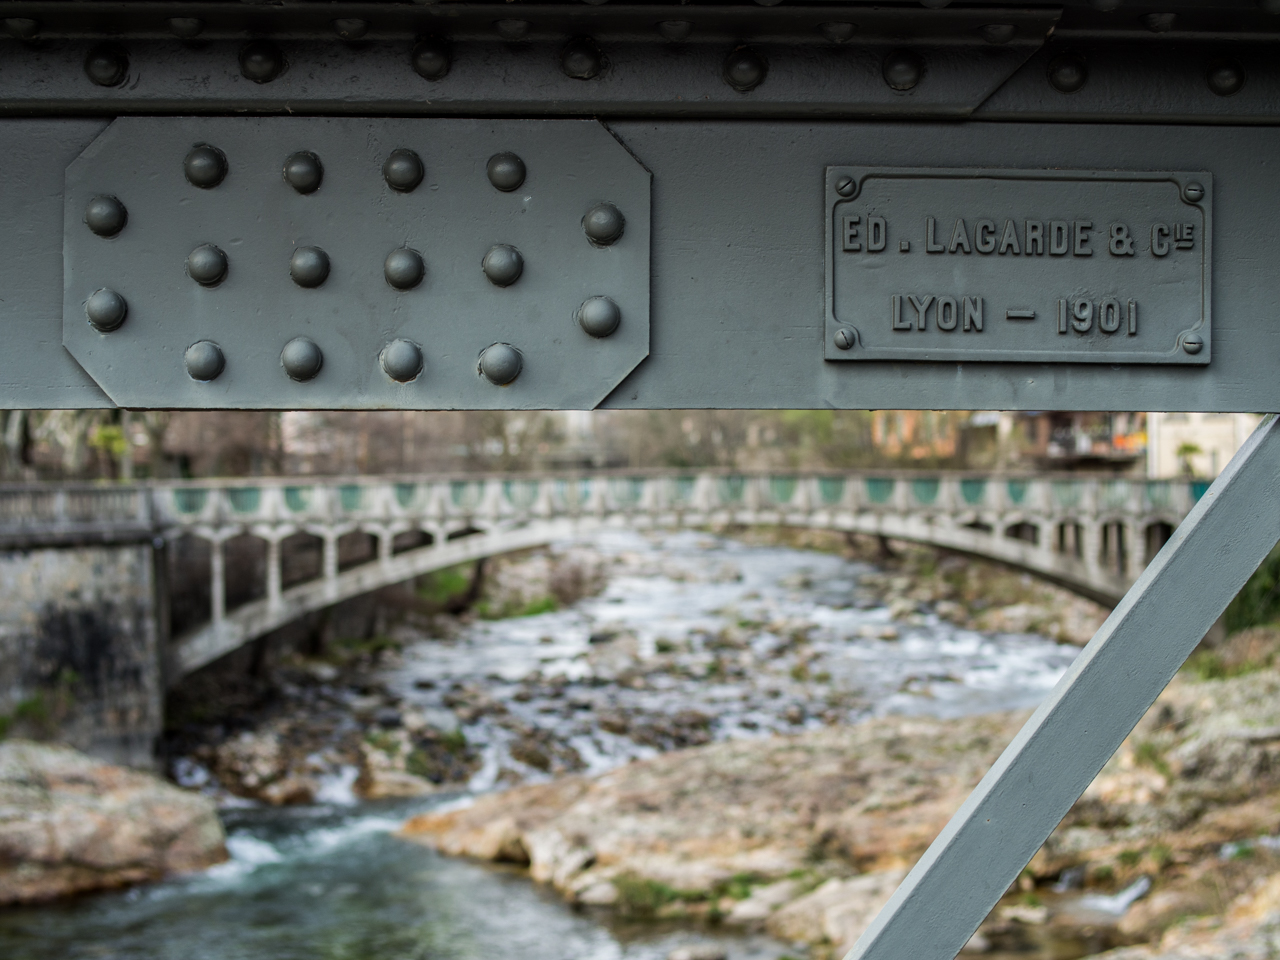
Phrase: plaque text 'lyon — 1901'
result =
(1016, 265)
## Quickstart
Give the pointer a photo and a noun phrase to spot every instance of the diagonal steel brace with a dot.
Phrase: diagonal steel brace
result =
(1086, 717)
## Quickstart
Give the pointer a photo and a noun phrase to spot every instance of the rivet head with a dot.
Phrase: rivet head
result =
(1193, 343)
(1193, 192)
(22, 28)
(1067, 72)
(506, 171)
(838, 31)
(205, 166)
(603, 224)
(106, 310)
(744, 69)
(207, 265)
(997, 32)
(303, 171)
(902, 70)
(350, 28)
(675, 30)
(401, 360)
(581, 59)
(403, 170)
(261, 61)
(105, 216)
(500, 363)
(432, 57)
(502, 265)
(301, 359)
(512, 29)
(107, 65)
(404, 268)
(186, 28)
(204, 361)
(309, 266)
(599, 316)
(846, 186)
(1225, 77)
(845, 338)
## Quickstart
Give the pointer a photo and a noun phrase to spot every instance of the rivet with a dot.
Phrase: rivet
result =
(301, 359)
(603, 224)
(506, 171)
(106, 310)
(599, 316)
(1193, 343)
(1159, 22)
(1193, 192)
(512, 29)
(350, 28)
(186, 28)
(997, 32)
(846, 187)
(105, 216)
(22, 28)
(1067, 72)
(845, 338)
(309, 266)
(401, 360)
(432, 57)
(204, 361)
(403, 170)
(500, 363)
(205, 166)
(207, 265)
(303, 171)
(502, 265)
(1225, 77)
(404, 268)
(261, 61)
(675, 30)
(838, 31)
(902, 70)
(744, 69)
(107, 64)
(581, 59)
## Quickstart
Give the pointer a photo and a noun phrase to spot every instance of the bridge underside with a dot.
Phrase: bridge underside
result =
(1098, 561)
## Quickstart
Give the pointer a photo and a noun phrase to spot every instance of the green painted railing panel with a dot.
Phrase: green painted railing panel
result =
(297, 499)
(1159, 493)
(405, 493)
(1016, 490)
(351, 496)
(731, 489)
(626, 491)
(972, 491)
(464, 493)
(879, 489)
(244, 499)
(925, 490)
(831, 490)
(682, 489)
(190, 500)
(520, 493)
(1066, 493)
(782, 489)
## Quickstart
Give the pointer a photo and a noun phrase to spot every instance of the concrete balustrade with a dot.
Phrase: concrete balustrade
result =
(1093, 535)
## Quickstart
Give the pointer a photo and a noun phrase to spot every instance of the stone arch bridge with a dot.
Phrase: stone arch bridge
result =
(1092, 535)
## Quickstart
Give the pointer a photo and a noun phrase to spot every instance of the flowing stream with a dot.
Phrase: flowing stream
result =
(751, 640)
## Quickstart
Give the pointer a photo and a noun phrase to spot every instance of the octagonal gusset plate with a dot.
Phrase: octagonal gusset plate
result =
(452, 218)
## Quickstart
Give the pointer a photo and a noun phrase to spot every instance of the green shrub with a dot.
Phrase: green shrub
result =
(1258, 601)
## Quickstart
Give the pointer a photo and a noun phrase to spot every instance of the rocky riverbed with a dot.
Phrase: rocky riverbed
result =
(757, 735)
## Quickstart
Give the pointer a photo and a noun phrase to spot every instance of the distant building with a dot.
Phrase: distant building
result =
(1195, 444)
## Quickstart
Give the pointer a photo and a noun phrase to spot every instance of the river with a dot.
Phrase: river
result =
(752, 639)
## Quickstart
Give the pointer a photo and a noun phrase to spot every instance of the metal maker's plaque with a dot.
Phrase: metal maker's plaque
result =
(1018, 265)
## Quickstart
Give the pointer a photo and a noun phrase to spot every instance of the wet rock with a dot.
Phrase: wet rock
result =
(249, 762)
(838, 911)
(699, 951)
(70, 824)
(758, 907)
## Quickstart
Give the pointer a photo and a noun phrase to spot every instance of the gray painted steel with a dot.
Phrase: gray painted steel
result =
(984, 265)
(454, 219)
(1076, 729)
(737, 267)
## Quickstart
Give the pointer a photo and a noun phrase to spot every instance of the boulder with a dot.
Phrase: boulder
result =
(71, 824)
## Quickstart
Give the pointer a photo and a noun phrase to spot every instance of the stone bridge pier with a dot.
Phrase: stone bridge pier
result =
(114, 591)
